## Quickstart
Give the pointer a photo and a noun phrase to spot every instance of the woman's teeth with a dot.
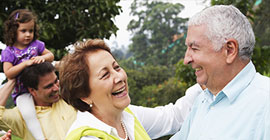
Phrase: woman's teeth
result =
(119, 91)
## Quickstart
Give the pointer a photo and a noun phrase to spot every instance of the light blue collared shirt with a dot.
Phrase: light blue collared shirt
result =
(239, 112)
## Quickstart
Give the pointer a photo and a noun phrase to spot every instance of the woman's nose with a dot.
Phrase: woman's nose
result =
(118, 77)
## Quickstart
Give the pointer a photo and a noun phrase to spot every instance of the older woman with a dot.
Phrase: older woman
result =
(92, 81)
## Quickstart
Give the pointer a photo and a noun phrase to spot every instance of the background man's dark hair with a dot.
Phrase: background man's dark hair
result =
(30, 75)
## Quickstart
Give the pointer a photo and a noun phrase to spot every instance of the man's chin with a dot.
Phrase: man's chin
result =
(55, 98)
(200, 81)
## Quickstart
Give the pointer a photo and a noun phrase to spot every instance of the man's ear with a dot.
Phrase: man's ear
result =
(232, 50)
(32, 91)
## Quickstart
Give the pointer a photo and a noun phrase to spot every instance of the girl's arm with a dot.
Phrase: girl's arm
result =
(5, 91)
(12, 71)
(45, 56)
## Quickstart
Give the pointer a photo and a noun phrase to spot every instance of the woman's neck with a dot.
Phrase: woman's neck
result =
(112, 119)
(109, 117)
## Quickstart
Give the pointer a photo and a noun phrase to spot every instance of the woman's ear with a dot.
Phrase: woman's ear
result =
(86, 100)
(232, 50)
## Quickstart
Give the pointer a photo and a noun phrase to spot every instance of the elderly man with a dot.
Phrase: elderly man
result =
(220, 41)
(54, 114)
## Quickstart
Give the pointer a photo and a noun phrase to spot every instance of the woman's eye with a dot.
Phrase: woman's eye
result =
(104, 75)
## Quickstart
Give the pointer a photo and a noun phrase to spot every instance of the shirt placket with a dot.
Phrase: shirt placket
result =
(209, 112)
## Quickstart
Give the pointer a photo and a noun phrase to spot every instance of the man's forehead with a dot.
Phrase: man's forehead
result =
(47, 78)
(196, 35)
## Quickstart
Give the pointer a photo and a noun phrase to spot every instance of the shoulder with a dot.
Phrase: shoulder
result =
(11, 118)
(195, 88)
(136, 110)
(63, 105)
(261, 83)
(11, 113)
(7, 49)
(82, 119)
(37, 43)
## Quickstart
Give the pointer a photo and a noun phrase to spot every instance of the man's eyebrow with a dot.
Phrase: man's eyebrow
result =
(51, 84)
(193, 43)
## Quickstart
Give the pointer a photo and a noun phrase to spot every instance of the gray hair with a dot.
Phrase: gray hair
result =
(224, 22)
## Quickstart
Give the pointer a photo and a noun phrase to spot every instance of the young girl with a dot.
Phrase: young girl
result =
(23, 49)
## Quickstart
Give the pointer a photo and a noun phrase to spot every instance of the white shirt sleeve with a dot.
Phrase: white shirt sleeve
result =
(89, 138)
(166, 120)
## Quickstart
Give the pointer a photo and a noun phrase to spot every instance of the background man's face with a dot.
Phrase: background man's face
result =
(48, 90)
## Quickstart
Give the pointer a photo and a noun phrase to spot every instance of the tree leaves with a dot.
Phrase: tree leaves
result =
(63, 22)
(154, 26)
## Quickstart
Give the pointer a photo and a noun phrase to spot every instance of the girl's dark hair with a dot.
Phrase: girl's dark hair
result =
(12, 24)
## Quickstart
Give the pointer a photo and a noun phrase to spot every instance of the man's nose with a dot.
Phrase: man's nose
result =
(56, 86)
(188, 57)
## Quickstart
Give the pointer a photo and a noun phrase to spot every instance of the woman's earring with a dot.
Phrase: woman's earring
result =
(91, 105)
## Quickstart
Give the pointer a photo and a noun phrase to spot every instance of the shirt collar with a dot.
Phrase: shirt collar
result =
(236, 85)
(88, 119)
(239, 82)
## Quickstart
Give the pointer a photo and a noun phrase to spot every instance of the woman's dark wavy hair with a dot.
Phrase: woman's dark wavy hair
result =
(12, 24)
(74, 73)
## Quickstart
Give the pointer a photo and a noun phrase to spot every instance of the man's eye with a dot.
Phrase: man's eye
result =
(194, 48)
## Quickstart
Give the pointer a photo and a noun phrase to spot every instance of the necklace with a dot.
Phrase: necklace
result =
(124, 127)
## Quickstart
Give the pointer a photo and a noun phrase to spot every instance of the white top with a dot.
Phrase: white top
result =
(158, 121)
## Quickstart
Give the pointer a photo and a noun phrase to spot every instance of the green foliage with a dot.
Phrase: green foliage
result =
(13, 137)
(154, 27)
(161, 94)
(243, 5)
(185, 73)
(261, 59)
(261, 26)
(145, 76)
(10, 102)
(66, 21)
(58, 53)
